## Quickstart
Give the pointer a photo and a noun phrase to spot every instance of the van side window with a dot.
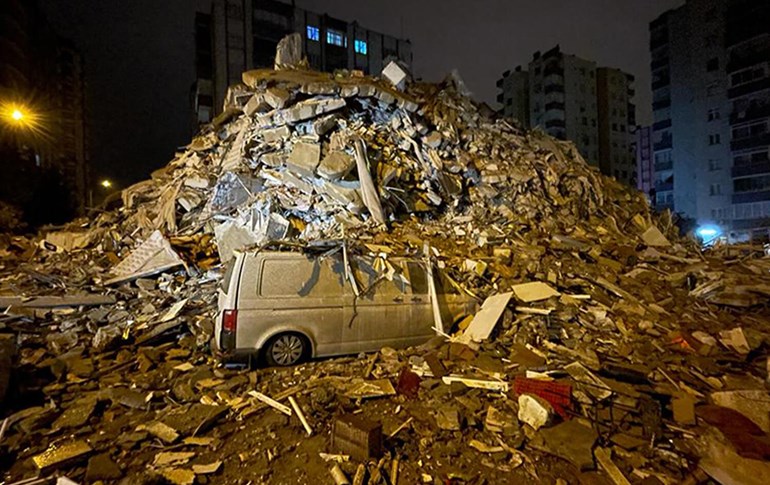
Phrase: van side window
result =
(286, 278)
(372, 283)
(418, 278)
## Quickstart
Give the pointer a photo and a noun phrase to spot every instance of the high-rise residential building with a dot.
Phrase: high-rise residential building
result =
(41, 74)
(514, 95)
(617, 123)
(710, 79)
(645, 169)
(233, 36)
(747, 39)
(570, 99)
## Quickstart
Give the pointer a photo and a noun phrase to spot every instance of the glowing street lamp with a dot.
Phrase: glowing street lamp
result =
(106, 183)
(17, 115)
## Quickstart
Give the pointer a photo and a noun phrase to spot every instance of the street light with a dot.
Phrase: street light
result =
(17, 115)
(106, 183)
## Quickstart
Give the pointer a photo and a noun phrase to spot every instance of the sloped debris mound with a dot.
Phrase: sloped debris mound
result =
(607, 331)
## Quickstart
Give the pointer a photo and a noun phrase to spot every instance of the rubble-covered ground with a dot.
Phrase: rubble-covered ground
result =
(639, 358)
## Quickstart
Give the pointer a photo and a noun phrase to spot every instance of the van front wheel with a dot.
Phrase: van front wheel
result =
(286, 349)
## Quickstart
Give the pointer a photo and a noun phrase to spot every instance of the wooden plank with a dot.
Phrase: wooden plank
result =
(56, 301)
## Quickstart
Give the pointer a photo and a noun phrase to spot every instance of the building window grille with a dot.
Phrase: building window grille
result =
(313, 33)
(361, 47)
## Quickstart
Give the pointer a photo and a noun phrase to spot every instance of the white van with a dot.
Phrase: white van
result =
(287, 307)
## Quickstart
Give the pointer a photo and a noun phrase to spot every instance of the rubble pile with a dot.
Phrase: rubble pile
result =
(607, 349)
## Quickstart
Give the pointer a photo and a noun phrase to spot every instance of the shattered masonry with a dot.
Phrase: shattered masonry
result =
(610, 345)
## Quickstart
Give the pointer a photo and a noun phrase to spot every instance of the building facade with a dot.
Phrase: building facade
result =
(233, 36)
(710, 80)
(571, 99)
(514, 95)
(645, 169)
(617, 124)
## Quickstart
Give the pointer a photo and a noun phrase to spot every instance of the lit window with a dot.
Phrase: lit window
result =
(361, 47)
(334, 37)
(313, 33)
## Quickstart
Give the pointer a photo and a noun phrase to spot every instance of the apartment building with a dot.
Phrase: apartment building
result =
(233, 36)
(571, 99)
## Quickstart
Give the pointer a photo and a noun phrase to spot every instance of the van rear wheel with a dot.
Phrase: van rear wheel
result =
(286, 349)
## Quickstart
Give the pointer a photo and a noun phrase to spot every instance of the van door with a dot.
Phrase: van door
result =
(381, 315)
(291, 292)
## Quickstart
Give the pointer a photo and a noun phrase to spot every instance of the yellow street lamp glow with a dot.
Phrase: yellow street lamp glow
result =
(106, 184)
(17, 115)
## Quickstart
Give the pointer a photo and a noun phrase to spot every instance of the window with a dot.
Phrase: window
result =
(593, 122)
(334, 37)
(712, 64)
(585, 121)
(313, 33)
(614, 127)
(713, 114)
(715, 189)
(712, 90)
(713, 164)
(623, 128)
(714, 139)
(361, 47)
(286, 278)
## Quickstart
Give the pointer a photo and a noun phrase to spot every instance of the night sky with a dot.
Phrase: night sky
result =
(139, 56)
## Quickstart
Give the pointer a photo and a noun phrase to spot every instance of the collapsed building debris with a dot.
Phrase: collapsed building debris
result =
(605, 343)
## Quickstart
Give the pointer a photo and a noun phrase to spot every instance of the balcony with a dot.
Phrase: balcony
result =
(661, 83)
(746, 22)
(553, 88)
(663, 166)
(657, 64)
(755, 141)
(748, 88)
(662, 104)
(753, 113)
(661, 125)
(553, 68)
(746, 197)
(741, 60)
(664, 186)
(659, 41)
(555, 124)
(554, 105)
(663, 144)
(761, 168)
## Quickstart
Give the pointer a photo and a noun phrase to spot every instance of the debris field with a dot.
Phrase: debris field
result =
(604, 349)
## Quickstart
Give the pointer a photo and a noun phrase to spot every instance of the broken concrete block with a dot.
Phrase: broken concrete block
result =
(396, 75)
(257, 104)
(160, 430)
(534, 411)
(276, 97)
(357, 436)
(178, 476)
(273, 159)
(571, 440)
(61, 454)
(653, 237)
(447, 418)
(336, 165)
(276, 134)
(323, 125)
(77, 414)
(304, 158)
(106, 338)
(101, 467)
(684, 410)
(288, 53)
(534, 291)
(433, 140)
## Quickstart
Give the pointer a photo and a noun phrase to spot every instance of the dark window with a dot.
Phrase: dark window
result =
(712, 64)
